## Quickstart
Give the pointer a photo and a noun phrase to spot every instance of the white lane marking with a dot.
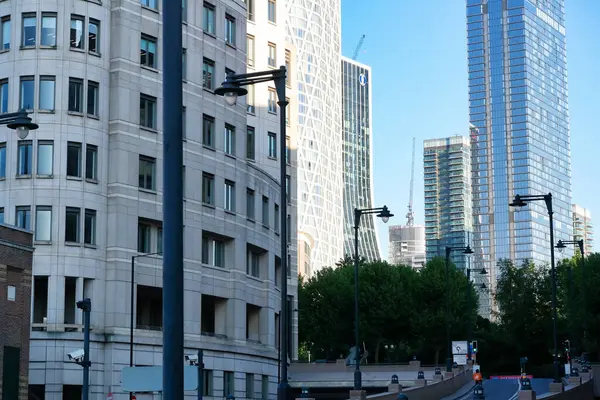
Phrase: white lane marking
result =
(516, 395)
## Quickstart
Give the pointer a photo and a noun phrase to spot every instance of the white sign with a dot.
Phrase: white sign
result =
(362, 78)
(460, 359)
(459, 347)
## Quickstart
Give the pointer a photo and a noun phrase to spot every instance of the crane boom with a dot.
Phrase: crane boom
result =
(358, 46)
(410, 216)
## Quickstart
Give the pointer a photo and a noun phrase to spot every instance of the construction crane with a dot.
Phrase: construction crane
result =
(358, 46)
(410, 215)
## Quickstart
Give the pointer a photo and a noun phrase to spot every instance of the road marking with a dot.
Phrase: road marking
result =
(516, 395)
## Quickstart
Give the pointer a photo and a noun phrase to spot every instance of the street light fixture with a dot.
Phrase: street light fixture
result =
(482, 271)
(19, 121)
(449, 249)
(231, 89)
(561, 245)
(521, 201)
(385, 215)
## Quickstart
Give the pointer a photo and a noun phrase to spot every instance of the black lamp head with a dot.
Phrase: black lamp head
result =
(518, 202)
(231, 91)
(22, 124)
(468, 250)
(385, 214)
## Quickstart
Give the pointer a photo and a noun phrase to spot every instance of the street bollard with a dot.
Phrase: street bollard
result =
(421, 375)
(525, 384)
(394, 379)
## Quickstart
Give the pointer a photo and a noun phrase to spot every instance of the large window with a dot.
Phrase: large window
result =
(29, 30)
(27, 92)
(213, 251)
(148, 51)
(43, 223)
(208, 74)
(72, 225)
(148, 111)
(76, 33)
(76, 95)
(47, 90)
(24, 157)
(209, 18)
(253, 264)
(229, 30)
(147, 171)
(48, 30)
(45, 156)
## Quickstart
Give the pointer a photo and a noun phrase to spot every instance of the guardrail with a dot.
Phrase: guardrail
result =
(431, 391)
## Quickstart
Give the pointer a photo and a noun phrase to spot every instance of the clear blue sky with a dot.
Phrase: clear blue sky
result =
(417, 50)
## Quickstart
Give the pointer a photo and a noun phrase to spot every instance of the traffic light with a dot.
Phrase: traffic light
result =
(474, 344)
(567, 344)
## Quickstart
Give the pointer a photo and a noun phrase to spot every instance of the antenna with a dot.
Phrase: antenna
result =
(358, 46)
(410, 215)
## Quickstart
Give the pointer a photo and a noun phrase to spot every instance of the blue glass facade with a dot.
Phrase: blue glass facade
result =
(521, 144)
(358, 179)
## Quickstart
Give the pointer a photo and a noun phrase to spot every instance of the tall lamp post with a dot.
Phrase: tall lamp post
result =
(19, 121)
(449, 250)
(481, 271)
(561, 245)
(521, 201)
(131, 318)
(385, 215)
(231, 89)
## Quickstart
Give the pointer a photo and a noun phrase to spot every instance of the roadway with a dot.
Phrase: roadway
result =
(503, 389)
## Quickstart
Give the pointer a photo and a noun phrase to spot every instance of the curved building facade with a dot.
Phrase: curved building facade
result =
(358, 160)
(89, 184)
(314, 28)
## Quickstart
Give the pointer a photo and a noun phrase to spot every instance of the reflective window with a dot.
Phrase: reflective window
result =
(23, 217)
(47, 93)
(24, 157)
(43, 223)
(94, 36)
(45, 156)
(29, 30)
(209, 18)
(5, 32)
(76, 32)
(27, 92)
(48, 30)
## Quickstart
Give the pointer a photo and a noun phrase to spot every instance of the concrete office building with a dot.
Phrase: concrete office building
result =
(89, 183)
(358, 162)
(314, 28)
(519, 106)
(583, 227)
(407, 245)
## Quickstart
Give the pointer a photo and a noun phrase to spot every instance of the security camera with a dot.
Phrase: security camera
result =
(76, 355)
(191, 358)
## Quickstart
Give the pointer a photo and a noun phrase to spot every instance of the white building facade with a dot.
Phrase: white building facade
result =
(407, 245)
(583, 228)
(89, 183)
(314, 28)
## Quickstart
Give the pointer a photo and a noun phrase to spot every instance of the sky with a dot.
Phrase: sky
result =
(417, 51)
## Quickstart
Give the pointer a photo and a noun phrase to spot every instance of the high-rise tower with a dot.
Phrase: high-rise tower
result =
(314, 28)
(358, 171)
(520, 144)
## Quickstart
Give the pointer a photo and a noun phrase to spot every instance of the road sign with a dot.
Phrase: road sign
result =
(460, 359)
(459, 347)
(149, 379)
(110, 396)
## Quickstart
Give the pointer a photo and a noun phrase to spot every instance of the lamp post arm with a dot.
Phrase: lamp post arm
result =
(252, 77)
(7, 118)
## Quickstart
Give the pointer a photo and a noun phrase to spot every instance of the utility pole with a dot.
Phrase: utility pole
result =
(86, 306)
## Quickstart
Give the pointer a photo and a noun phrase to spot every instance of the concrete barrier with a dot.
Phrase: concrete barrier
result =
(585, 391)
(433, 391)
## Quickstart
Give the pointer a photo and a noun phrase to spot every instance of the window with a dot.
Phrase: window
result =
(265, 211)
(287, 151)
(76, 95)
(250, 50)
(5, 32)
(287, 111)
(149, 4)
(288, 67)
(183, 123)
(148, 51)
(11, 293)
(228, 383)
(184, 64)
(149, 236)
(3, 160)
(24, 157)
(77, 32)
(144, 237)
(213, 251)
(250, 143)
(148, 111)
(48, 30)
(272, 55)
(94, 36)
(43, 223)
(287, 188)
(249, 386)
(230, 139)
(253, 264)
(92, 98)
(27, 92)
(23, 217)
(250, 207)
(45, 157)
(72, 226)
(230, 196)
(229, 30)
(46, 100)
(147, 172)
(250, 9)
(208, 188)
(265, 387)
(29, 30)
(184, 10)
(1, 215)
(208, 74)
(272, 11)
(209, 18)
(207, 387)
(250, 108)
(208, 131)
(91, 162)
(89, 227)
(74, 159)
(4, 96)
(272, 145)
(272, 104)
(276, 218)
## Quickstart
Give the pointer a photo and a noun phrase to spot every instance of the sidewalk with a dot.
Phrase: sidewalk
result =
(461, 392)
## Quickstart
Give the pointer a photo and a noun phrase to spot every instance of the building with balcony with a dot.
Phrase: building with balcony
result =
(583, 228)
(407, 245)
(89, 183)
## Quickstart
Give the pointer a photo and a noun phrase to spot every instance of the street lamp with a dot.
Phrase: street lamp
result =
(521, 201)
(482, 271)
(19, 121)
(385, 215)
(561, 245)
(449, 250)
(132, 284)
(231, 89)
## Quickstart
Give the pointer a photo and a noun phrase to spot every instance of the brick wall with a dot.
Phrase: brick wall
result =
(16, 256)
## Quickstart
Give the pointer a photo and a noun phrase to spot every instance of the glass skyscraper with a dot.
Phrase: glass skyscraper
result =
(521, 145)
(358, 171)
